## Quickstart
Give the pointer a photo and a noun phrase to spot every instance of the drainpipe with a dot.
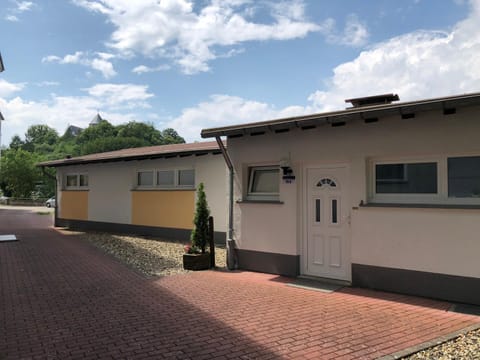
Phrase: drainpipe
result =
(231, 253)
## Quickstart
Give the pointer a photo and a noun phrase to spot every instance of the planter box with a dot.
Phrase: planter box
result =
(196, 261)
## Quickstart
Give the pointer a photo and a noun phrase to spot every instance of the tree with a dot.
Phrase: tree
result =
(111, 144)
(145, 132)
(39, 135)
(170, 136)
(102, 130)
(200, 232)
(16, 143)
(19, 172)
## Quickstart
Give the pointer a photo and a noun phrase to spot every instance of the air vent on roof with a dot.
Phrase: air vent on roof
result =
(373, 100)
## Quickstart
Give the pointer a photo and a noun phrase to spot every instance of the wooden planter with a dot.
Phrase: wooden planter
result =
(196, 261)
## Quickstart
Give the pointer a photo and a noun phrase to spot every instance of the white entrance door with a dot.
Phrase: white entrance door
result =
(327, 245)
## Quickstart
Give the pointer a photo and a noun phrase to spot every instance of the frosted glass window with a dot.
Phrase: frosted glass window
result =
(186, 177)
(166, 178)
(145, 178)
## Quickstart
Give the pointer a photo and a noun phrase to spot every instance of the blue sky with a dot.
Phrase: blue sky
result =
(208, 63)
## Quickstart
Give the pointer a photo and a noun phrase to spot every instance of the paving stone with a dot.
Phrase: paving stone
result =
(61, 295)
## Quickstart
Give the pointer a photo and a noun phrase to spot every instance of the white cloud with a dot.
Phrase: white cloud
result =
(354, 34)
(99, 62)
(416, 65)
(47, 83)
(141, 69)
(119, 96)
(104, 66)
(116, 103)
(172, 29)
(12, 18)
(18, 8)
(7, 88)
(24, 5)
(223, 110)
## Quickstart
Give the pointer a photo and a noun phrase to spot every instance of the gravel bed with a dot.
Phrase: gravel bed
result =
(464, 347)
(152, 257)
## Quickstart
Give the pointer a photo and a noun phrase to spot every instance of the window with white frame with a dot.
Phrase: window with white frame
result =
(263, 183)
(186, 178)
(166, 179)
(145, 178)
(406, 178)
(464, 177)
(76, 181)
(451, 180)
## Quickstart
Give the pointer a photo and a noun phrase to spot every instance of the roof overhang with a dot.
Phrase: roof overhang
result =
(117, 156)
(336, 118)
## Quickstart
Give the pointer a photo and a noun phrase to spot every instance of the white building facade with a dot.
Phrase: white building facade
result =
(380, 196)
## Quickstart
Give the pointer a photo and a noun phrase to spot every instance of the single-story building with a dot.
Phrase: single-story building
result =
(149, 190)
(383, 195)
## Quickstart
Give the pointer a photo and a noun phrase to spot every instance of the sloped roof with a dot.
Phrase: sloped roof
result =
(337, 118)
(97, 119)
(142, 153)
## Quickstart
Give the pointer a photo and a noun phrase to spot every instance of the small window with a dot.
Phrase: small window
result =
(186, 178)
(413, 178)
(166, 178)
(76, 181)
(145, 178)
(83, 180)
(263, 182)
(72, 181)
(464, 177)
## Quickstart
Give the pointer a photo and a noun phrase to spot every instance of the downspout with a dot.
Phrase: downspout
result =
(231, 253)
(55, 209)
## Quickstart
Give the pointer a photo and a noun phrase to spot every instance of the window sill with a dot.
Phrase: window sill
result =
(246, 201)
(420, 206)
(76, 189)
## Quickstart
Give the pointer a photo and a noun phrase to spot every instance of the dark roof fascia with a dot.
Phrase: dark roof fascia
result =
(345, 115)
(80, 161)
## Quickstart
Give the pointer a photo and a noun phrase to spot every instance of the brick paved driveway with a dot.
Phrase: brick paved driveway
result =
(61, 298)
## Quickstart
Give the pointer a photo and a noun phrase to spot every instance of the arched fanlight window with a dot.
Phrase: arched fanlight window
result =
(326, 182)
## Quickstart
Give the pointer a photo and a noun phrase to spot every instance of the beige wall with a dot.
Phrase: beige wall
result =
(172, 209)
(279, 228)
(74, 205)
(433, 240)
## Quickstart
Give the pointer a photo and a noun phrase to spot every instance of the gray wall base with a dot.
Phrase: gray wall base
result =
(439, 286)
(168, 233)
(272, 263)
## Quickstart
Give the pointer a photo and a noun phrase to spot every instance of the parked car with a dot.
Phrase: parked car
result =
(50, 202)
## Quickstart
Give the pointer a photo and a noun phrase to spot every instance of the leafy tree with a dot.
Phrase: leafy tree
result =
(19, 173)
(102, 130)
(146, 132)
(19, 177)
(39, 135)
(16, 143)
(170, 136)
(200, 232)
(111, 144)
